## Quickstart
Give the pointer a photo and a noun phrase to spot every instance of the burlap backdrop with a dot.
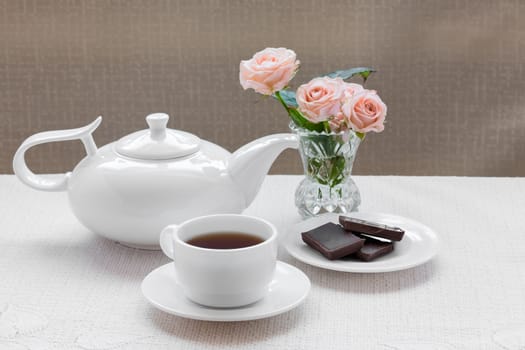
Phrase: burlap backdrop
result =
(451, 72)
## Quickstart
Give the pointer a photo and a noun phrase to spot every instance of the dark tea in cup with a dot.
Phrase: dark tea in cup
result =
(225, 240)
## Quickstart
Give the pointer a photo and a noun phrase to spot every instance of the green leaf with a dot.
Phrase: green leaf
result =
(361, 135)
(302, 122)
(288, 97)
(364, 72)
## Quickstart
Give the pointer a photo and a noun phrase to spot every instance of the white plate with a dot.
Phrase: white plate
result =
(288, 289)
(419, 245)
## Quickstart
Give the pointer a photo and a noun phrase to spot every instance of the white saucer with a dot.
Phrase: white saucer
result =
(288, 289)
(419, 245)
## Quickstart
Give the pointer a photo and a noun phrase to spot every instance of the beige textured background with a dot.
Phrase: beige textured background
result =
(451, 72)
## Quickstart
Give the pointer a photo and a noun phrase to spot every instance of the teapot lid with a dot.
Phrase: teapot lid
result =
(158, 142)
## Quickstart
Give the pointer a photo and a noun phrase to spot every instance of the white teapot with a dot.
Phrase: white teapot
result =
(130, 189)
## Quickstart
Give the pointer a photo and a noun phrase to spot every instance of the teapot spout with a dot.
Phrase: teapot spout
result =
(249, 164)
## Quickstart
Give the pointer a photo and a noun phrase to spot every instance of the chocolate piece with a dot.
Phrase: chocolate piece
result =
(374, 248)
(332, 241)
(371, 228)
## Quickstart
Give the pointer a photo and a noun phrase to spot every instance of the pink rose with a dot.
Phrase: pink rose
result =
(320, 98)
(350, 89)
(365, 112)
(268, 70)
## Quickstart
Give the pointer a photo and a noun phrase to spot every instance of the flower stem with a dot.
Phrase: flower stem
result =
(326, 127)
(278, 95)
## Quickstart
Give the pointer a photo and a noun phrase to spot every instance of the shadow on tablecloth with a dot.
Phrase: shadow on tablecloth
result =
(369, 283)
(228, 333)
(95, 256)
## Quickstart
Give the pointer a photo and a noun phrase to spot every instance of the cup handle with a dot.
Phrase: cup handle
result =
(166, 240)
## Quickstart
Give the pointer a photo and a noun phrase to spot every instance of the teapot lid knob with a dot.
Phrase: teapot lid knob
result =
(158, 142)
(157, 123)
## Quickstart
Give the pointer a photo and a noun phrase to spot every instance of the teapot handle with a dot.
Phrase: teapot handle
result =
(54, 182)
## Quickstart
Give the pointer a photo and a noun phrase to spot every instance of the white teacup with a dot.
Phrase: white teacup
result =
(222, 277)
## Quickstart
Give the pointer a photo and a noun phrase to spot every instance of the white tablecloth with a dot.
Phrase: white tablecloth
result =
(62, 287)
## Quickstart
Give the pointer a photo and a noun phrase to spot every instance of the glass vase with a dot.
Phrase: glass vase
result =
(327, 161)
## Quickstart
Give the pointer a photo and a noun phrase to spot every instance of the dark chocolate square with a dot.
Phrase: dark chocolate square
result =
(373, 249)
(371, 228)
(332, 241)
